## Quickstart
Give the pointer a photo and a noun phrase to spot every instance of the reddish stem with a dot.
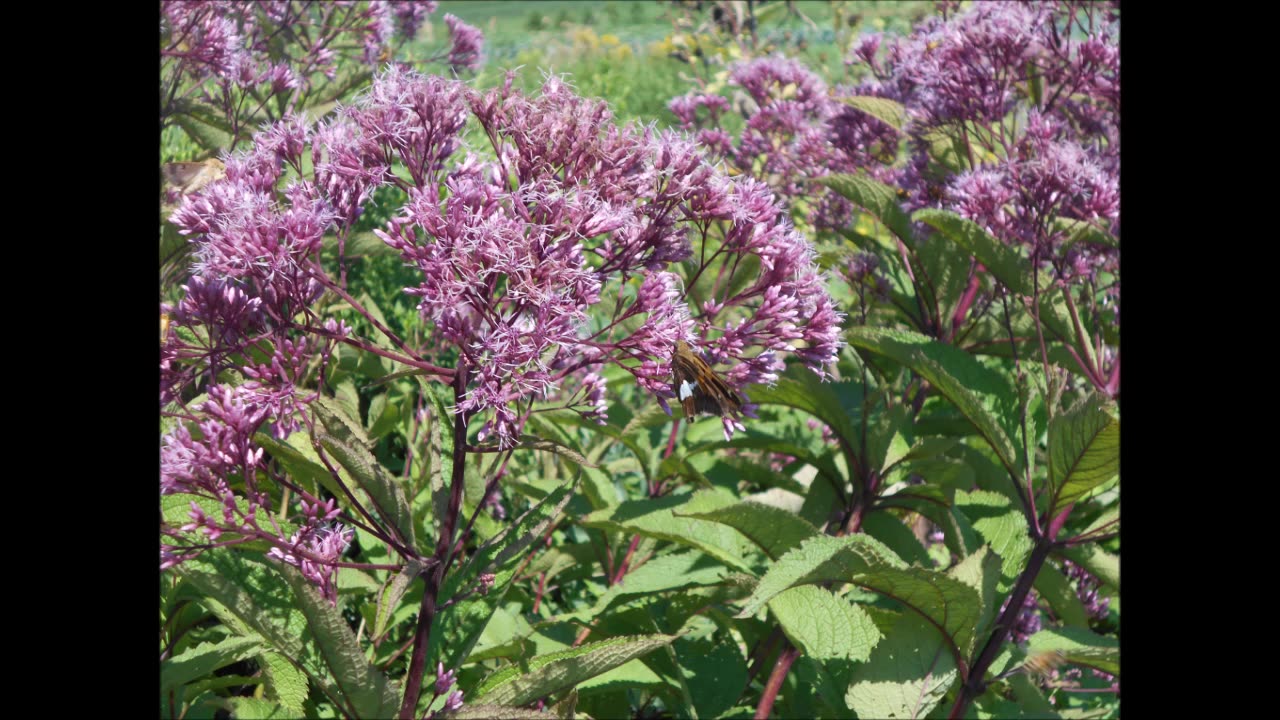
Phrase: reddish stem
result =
(542, 585)
(774, 684)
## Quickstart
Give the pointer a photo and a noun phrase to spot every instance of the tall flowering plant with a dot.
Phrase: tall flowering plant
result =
(564, 248)
(965, 182)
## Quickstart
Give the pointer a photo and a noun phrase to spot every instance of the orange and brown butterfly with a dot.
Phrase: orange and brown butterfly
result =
(699, 388)
(188, 177)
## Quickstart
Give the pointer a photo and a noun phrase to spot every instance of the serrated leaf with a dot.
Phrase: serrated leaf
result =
(204, 658)
(1004, 262)
(547, 674)
(251, 708)
(339, 418)
(285, 683)
(633, 674)
(661, 574)
(773, 530)
(224, 579)
(824, 626)
(598, 488)
(982, 395)
(864, 561)
(1079, 645)
(823, 463)
(1084, 450)
(1001, 525)
(440, 446)
(379, 485)
(980, 571)
(908, 674)
(877, 198)
(389, 598)
(887, 111)
(656, 518)
(365, 689)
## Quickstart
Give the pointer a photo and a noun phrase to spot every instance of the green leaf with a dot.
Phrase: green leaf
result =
(548, 674)
(980, 571)
(936, 503)
(204, 658)
(208, 136)
(633, 674)
(249, 597)
(887, 111)
(440, 446)
(1107, 522)
(950, 604)
(716, 671)
(299, 460)
(1099, 562)
(389, 599)
(877, 198)
(286, 684)
(775, 531)
(251, 708)
(1004, 262)
(656, 518)
(1002, 525)
(1081, 231)
(598, 488)
(340, 415)
(534, 443)
(364, 688)
(1054, 587)
(1084, 450)
(908, 674)
(823, 625)
(1031, 702)
(661, 574)
(1079, 645)
(891, 531)
(833, 403)
(982, 395)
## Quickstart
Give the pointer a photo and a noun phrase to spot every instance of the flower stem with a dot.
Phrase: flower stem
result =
(435, 577)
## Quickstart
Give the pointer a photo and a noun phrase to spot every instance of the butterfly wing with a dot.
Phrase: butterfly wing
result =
(699, 388)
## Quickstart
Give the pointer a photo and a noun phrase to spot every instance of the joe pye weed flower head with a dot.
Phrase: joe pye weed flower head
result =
(566, 244)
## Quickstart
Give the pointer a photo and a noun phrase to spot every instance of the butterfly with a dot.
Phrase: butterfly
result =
(188, 177)
(698, 387)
